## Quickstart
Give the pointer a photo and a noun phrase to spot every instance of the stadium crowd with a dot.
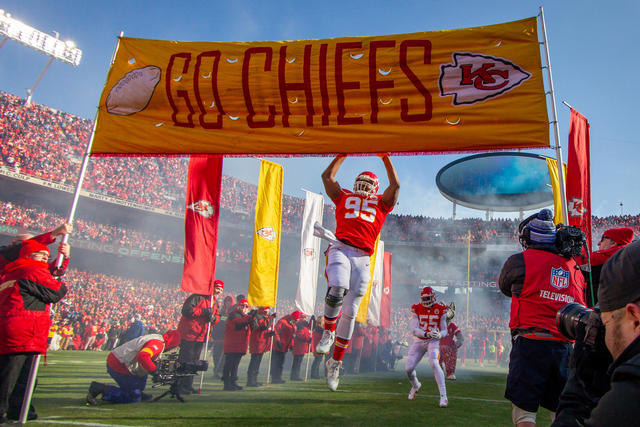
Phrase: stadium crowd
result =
(48, 144)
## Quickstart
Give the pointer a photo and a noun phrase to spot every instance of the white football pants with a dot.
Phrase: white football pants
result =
(416, 352)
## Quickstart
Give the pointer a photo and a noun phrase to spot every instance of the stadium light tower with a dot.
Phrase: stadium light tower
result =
(52, 46)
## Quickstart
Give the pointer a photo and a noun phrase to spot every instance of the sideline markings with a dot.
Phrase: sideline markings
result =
(87, 408)
(60, 420)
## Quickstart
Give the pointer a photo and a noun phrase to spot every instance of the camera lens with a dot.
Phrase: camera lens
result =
(568, 318)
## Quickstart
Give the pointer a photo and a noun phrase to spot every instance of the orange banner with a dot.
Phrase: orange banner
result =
(472, 89)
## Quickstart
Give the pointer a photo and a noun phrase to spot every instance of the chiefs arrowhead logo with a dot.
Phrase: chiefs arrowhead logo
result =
(576, 207)
(267, 233)
(474, 77)
(203, 207)
(308, 251)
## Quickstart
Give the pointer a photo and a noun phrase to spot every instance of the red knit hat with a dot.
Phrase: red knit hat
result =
(218, 284)
(622, 236)
(297, 315)
(31, 246)
(244, 301)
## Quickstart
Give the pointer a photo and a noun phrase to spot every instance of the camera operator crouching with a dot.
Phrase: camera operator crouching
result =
(129, 365)
(599, 393)
(540, 280)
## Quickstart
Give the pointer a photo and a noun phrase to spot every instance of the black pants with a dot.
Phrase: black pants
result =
(189, 352)
(218, 357)
(277, 365)
(230, 369)
(315, 366)
(254, 368)
(295, 367)
(14, 376)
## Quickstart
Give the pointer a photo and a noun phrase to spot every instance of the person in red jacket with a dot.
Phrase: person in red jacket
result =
(301, 346)
(10, 252)
(27, 289)
(129, 365)
(236, 343)
(449, 345)
(318, 330)
(199, 313)
(611, 242)
(259, 343)
(283, 341)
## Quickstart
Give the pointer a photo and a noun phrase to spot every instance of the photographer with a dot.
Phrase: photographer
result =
(539, 281)
(283, 341)
(585, 401)
(198, 313)
(236, 343)
(129, 365)
(259, 343)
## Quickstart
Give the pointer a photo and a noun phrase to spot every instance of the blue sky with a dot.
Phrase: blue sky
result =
(593, 49)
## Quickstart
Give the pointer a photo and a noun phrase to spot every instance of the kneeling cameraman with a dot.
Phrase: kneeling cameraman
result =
(586, 400)
(129, 365)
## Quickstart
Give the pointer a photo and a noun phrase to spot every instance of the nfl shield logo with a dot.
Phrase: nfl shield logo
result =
(559, 278)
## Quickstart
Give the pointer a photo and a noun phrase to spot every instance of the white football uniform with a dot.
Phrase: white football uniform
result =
(425, 319)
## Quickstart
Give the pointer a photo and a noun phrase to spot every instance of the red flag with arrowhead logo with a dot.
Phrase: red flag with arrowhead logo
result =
(579, 175)
(385, 300)
(201, 224)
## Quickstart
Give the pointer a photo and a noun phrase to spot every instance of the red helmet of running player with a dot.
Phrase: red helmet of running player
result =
(366, 184)
(427, 296)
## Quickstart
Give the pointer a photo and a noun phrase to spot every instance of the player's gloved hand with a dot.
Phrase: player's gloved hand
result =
(458, 344)
(433, 334)
(155, 375)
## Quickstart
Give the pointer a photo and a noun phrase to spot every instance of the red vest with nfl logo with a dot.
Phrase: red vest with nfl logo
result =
(550, 282)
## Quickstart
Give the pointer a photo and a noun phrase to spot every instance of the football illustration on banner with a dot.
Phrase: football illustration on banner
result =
(133, 92)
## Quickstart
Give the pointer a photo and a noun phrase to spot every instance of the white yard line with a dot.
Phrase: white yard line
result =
(60, 420)
(87, 408)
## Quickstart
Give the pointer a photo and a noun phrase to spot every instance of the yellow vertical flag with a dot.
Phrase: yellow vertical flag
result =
(552, 165)
(363, 310)
(265, 259)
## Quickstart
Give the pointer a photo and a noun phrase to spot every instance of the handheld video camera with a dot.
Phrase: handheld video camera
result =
(569, 240)
(170, 369)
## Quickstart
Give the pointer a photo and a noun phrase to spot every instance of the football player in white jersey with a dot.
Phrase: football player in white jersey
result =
(428, 325)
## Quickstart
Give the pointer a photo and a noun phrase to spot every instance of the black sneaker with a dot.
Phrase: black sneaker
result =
(146, 397)
(95, 390)
(15, 417)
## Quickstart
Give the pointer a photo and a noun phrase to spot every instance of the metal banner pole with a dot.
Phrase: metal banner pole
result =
(206, 345)
(33, 373)
(556, 133)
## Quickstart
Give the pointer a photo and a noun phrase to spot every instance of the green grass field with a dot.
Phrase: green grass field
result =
(376, 399)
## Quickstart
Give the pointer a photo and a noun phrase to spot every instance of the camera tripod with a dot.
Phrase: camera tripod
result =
(174, 391)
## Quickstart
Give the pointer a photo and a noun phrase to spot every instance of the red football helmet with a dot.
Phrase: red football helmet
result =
(366, 184)
(427, 296)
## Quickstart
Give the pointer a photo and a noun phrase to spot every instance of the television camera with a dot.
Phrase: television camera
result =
(169, 371)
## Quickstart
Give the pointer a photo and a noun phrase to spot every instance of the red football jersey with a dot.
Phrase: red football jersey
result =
(429, 318)
(359, 219)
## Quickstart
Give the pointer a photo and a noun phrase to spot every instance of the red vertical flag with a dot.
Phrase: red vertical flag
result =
(385, 300)
(579, 175)
(201, 223)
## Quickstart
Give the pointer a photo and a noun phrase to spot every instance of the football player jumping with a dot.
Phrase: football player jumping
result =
(428, 325)
(360, 215)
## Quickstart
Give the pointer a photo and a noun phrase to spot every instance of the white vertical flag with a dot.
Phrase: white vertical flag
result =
(309, 254)
(376, 287)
